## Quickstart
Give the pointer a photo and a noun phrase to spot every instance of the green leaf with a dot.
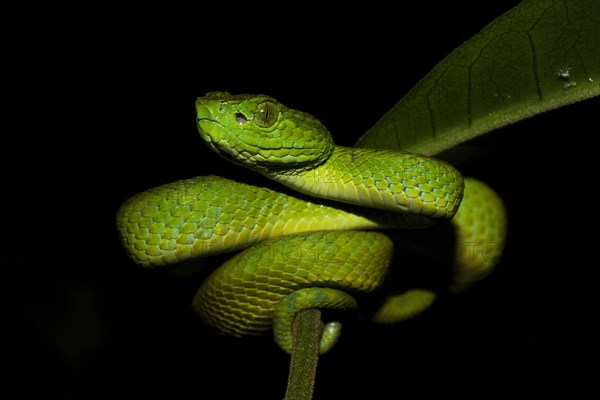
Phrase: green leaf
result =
(541, 55)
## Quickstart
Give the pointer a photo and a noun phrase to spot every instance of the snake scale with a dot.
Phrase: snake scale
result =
(313, 242)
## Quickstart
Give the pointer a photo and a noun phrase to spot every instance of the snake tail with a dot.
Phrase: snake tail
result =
(304, 299)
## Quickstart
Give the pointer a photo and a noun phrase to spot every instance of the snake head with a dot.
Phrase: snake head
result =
(260, 133)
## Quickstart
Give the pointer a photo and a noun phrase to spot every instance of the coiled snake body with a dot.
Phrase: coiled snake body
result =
(303, 252)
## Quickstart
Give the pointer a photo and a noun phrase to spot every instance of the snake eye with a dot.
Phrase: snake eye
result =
(266, 114)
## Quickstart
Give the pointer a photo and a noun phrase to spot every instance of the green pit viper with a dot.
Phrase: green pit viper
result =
(312, 246)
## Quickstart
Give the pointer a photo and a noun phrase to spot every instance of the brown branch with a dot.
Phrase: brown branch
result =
(307, 328)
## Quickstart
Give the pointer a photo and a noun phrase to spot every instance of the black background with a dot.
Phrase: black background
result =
(110, 113)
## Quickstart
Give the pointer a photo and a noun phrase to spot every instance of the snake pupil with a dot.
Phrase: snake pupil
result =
(266, 114)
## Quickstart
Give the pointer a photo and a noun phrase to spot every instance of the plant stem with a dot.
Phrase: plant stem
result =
(307, 328)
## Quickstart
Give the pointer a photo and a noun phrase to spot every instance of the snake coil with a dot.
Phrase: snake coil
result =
(314, 248)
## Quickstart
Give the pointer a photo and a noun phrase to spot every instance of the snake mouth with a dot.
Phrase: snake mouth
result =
(213, 132)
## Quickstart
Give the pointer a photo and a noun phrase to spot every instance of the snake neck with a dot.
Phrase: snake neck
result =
(381, 179)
